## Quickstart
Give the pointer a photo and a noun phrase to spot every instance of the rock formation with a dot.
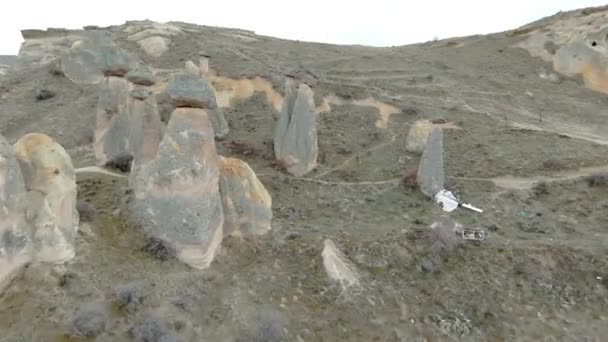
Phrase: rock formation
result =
(15, 246)
(295, 139)
(145, 125)
(246, 202)
(194, 91)
(430, 170)
(203, 64)
(111, 136)
(192, 69)
(177, 198)
(417, 136)
(50, 181)
(153, 38)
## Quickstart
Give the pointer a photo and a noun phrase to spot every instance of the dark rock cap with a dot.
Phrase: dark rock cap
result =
(190, 91)
(141, 75)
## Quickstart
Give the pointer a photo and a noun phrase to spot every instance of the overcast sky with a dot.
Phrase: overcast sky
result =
(377, 23)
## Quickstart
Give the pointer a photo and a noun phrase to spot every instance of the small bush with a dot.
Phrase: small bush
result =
(150, 327)
(409, 179)
(129, 297)
(89, 321)
(598, 179)
(157, 249)
(121, 162)
(268, 327)
(244, 148)
(441, 237)
(44, 94)
(86, 210)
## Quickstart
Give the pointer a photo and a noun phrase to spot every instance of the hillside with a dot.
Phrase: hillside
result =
(524, 116)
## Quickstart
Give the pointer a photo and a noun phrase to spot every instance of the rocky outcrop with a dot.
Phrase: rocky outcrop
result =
(193, 91)
(177, 198)
(95, 56)
(15, 245)
(430, 175)
(295, 139)
(153, 38)
(576, 46)
(246, 202)
(44, 46)
(417, 136)
(50, 181)
(111, 136)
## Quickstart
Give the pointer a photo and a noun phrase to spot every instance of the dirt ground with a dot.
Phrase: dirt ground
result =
(527, 151)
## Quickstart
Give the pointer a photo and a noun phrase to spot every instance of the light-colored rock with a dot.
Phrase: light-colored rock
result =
(177, 198)
(247, 204)
(50, 181)
(80, 66)
(430, 175)
(581, 57)
(15, 244)
(418, 135)
(155, 46)
(111, 136)
(203, 63)
(192, 69)
(296, 142)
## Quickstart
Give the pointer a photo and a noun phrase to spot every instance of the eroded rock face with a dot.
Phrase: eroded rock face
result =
(177, 198)
(196, 92)
(430, 170)
(15, 246)
(246, 202)
(111, 136)
(417, 136)
(145, 127)
(586, 56)
(295, 141)
(50, 181)
(94, 56)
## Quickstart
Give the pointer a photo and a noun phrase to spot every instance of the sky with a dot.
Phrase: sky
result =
(375, 23)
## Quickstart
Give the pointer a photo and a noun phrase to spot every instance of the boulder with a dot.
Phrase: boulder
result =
(95, 56)
(192, 69)
(189, 90)
(296, 143)
(15, 245)
(155, 46)
(51, 211)
(430, 175)
(111, 136)
(247, 204)
(115, 62)
(177, 199)
(80, 66)
(141, 75)
(417, 136)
